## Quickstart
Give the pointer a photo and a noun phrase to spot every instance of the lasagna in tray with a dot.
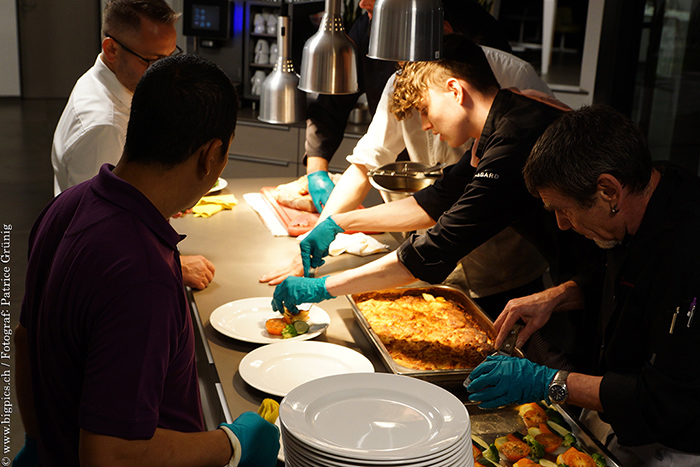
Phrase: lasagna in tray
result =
(424, 332)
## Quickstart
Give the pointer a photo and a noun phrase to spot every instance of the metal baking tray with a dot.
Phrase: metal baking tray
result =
(449, 293)
(490, 424)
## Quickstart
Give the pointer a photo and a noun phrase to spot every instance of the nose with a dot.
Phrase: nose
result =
(563, 221)
(425, 123)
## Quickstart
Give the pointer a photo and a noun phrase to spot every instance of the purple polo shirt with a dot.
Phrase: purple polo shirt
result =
(111, 340)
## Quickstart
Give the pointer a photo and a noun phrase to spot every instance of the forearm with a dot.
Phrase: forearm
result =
(584, 391)
(566, 296)
(398, 216)
(383, 273)
(23, 383)
(349, 192)
(166, 447)
(314, 164)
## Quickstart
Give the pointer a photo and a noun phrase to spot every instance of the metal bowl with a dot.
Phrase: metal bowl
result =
(399, 180)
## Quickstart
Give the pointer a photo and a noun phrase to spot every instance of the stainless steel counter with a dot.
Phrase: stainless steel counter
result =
(242, 249)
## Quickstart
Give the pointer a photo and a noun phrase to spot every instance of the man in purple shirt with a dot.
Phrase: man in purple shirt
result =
(105, 346)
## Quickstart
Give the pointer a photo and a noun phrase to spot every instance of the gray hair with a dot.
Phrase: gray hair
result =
(583, 144)
(125, 15)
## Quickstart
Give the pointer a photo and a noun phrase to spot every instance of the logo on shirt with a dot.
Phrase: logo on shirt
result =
(486, 175)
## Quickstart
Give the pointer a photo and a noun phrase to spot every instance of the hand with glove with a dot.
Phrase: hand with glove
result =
(315, 245)
(255, 441)
(502, 380)
(295, 290)
(320, 187)
(28, 456)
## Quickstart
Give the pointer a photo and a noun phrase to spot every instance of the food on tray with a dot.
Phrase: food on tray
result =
(427, 332)
(548, 444)
(288, 325)
(575, 458)
(296, 195)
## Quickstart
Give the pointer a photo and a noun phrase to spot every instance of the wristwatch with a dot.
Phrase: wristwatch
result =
(558, 392)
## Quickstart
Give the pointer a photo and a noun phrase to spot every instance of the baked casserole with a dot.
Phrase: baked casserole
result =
(426, 332)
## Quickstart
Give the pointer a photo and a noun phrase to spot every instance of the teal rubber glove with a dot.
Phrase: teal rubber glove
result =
(320, 187)
(259, 440)
(295, 290)
(28, 456)
(502, 380)
(315, 245)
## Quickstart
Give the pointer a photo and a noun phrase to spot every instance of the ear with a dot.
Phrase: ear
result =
(447, 27)
(208, 155)
(455, 87)
(109, 49)
(609, 189)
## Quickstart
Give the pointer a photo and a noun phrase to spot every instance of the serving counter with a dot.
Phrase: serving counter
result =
(242, 249)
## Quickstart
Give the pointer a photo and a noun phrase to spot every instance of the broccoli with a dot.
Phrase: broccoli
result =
(569, 441)
(289, 331)
(536, 449)
(492, 453)
(557, 418)
(599, 460)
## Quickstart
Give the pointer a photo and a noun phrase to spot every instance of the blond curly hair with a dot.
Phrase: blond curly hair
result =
(462, 59)
(412, 83)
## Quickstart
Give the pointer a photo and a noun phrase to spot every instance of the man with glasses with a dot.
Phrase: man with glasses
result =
(92, 129)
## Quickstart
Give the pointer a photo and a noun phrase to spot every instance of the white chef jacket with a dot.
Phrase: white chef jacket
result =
(505, 261)
(92, 128)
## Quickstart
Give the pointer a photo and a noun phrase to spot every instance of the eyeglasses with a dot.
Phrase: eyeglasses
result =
(178, 51)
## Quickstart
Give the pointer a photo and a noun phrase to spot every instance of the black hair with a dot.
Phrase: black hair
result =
(179, 104)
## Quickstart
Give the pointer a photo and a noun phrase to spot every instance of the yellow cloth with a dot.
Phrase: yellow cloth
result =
(210, 205)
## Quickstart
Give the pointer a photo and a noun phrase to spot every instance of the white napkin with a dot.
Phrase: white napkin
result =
(357, 244)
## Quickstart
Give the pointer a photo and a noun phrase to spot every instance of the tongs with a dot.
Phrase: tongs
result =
(434, 171)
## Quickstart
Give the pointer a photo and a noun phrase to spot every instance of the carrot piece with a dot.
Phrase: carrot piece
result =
(523, 462)
(544, 428)
(575, 458)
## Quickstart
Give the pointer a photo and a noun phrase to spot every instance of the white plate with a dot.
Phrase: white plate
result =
(218, 186)
(374, 416)
(306, 455)
(245, 320)
(277, 369)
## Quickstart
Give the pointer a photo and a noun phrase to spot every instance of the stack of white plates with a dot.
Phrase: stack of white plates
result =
(374, 419)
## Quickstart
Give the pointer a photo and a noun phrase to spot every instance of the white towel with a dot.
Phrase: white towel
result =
(357, 244)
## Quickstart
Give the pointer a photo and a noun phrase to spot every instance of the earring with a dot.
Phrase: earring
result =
(614, 209)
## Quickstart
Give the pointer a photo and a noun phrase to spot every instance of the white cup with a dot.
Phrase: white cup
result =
(257, 81)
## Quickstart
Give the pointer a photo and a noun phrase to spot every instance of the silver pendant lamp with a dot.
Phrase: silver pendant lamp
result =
(281, 100)
(406, 30)
(328, 63)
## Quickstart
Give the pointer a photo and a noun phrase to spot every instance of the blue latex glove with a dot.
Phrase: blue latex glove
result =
(315, 245)
(502, 380)
(320, 187)
(260, 440)
(28, 456)
(295, 290)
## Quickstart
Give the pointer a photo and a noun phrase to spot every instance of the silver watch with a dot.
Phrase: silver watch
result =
(558, 392)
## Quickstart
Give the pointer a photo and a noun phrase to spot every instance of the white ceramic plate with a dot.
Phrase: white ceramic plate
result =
(277, 369)
(307, 456)
(377, 416)
(218, 186)
(245, 320)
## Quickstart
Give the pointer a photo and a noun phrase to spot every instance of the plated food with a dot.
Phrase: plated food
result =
(245, 320)
(289, 325)
(425, 331)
